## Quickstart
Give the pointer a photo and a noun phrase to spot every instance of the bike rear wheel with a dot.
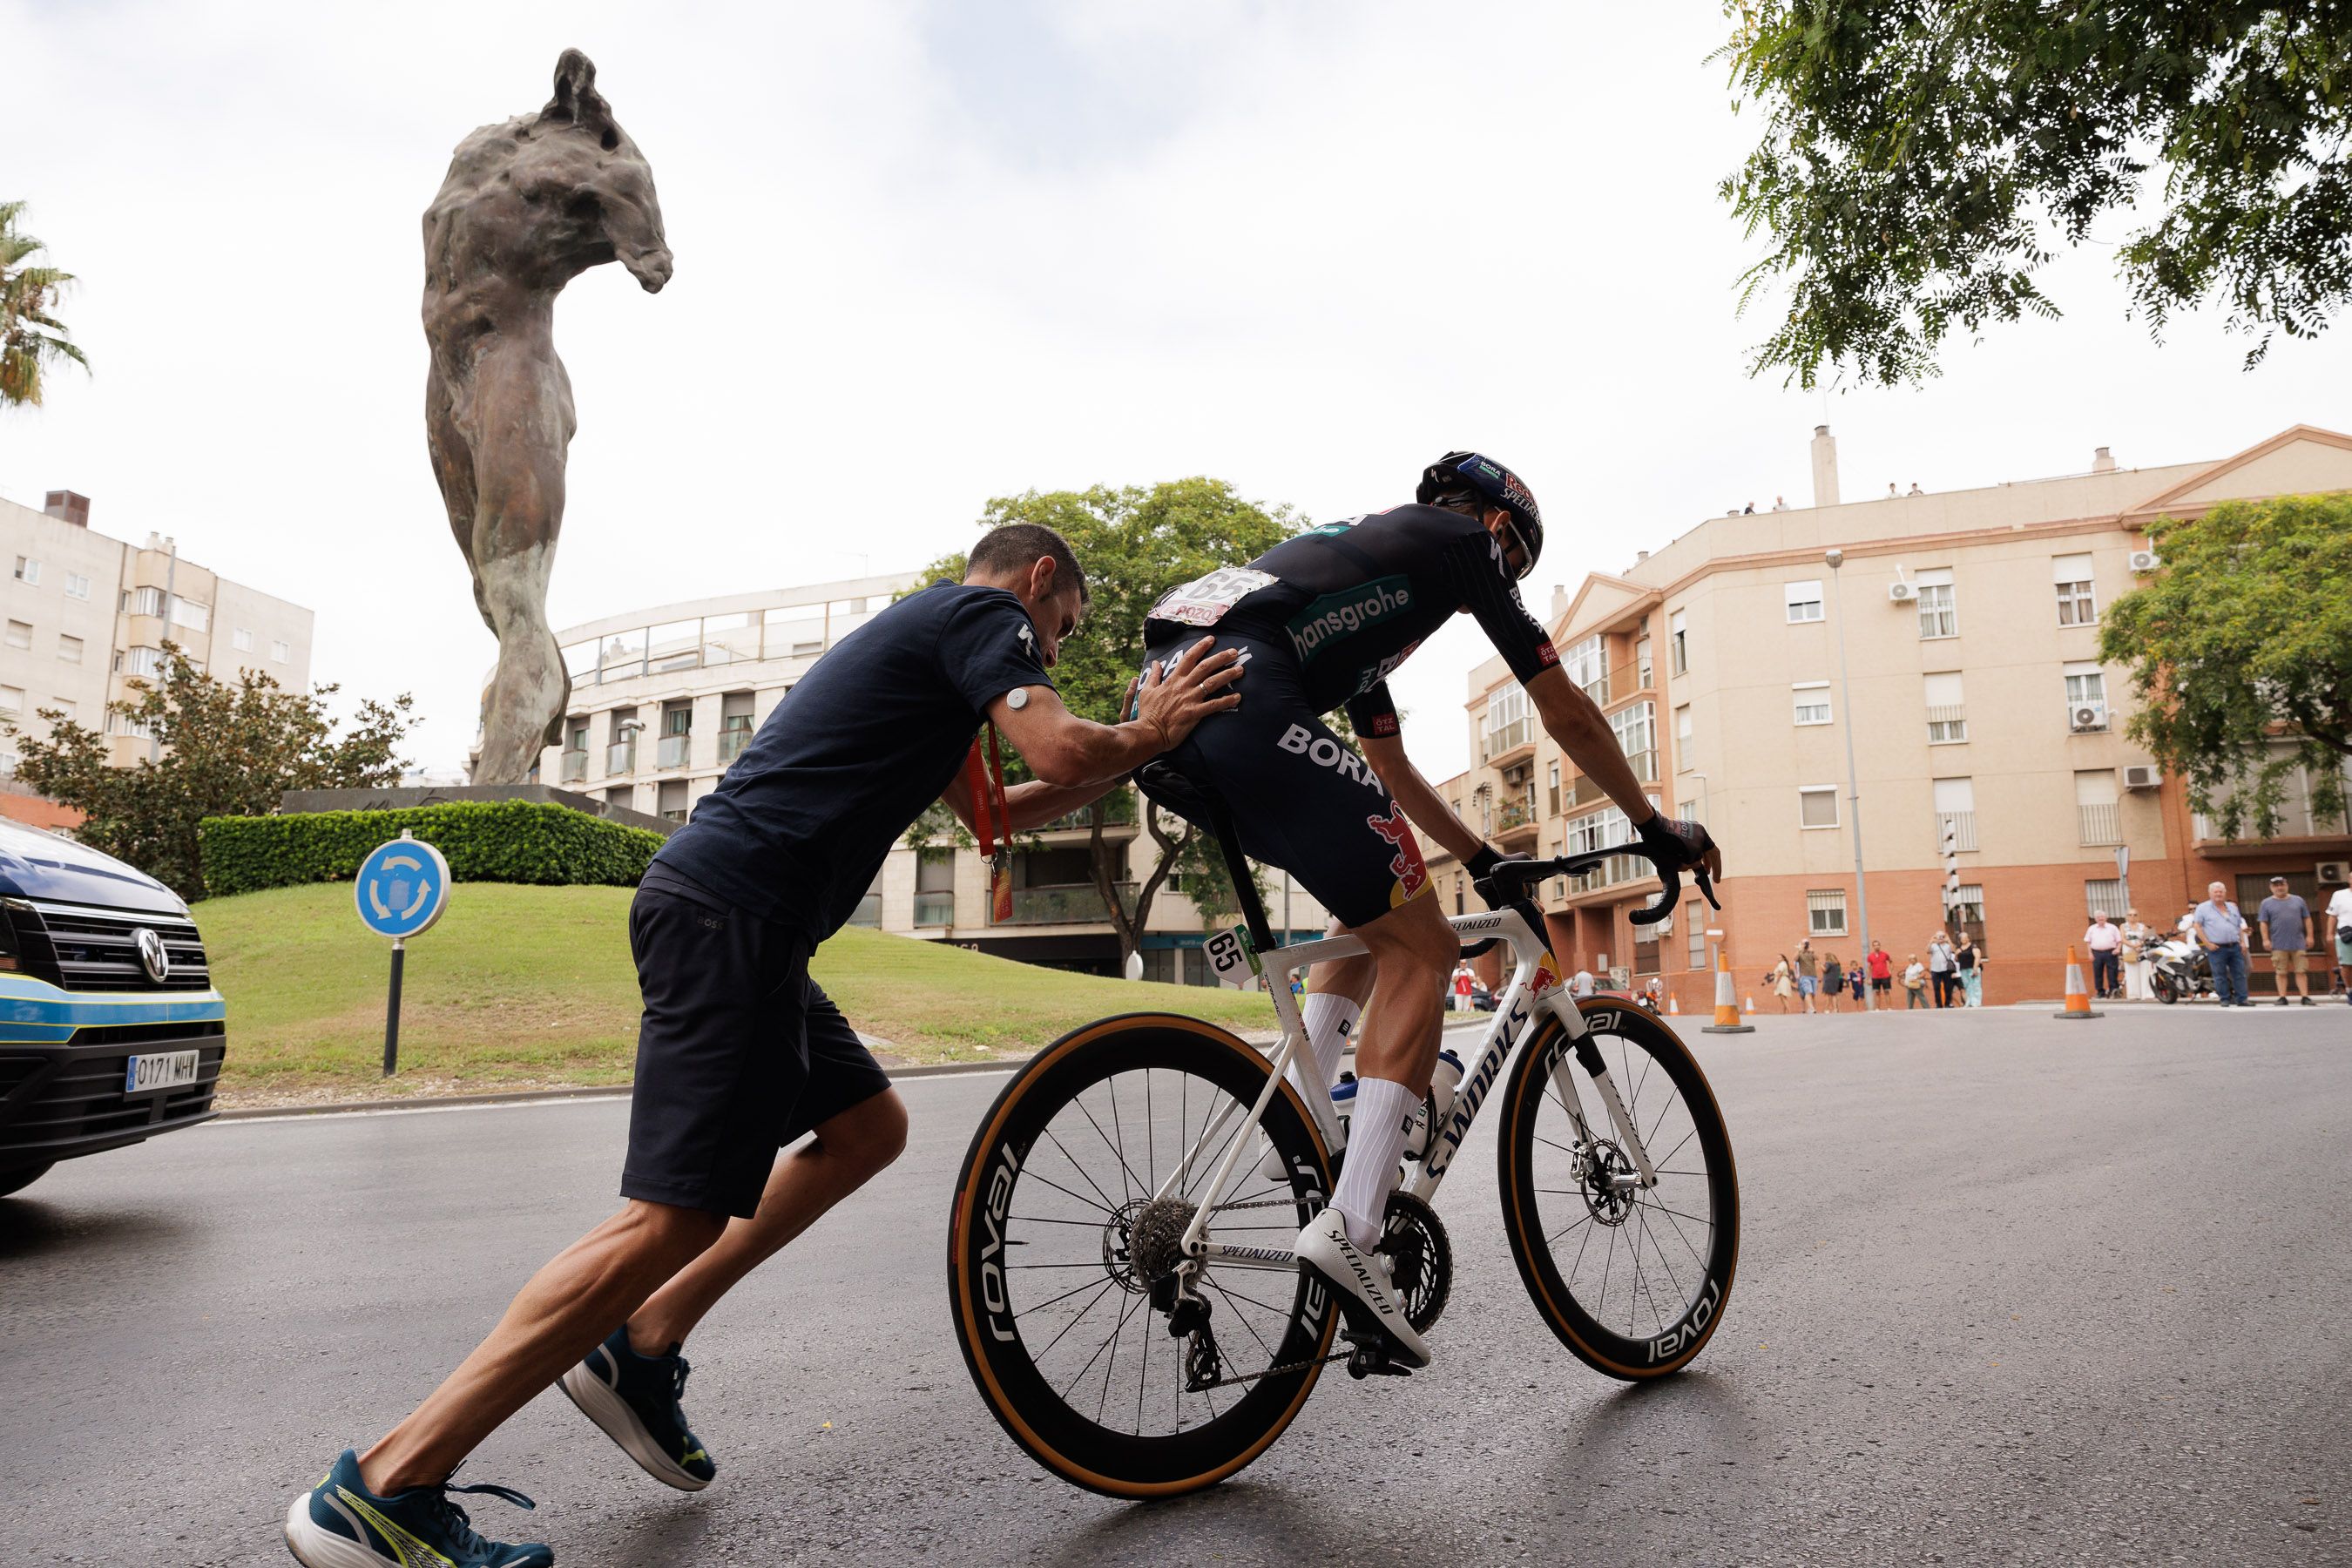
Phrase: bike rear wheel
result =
(1056, 1245)
(1632, 1279)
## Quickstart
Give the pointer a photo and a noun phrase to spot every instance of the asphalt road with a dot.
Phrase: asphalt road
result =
(2011, 1289)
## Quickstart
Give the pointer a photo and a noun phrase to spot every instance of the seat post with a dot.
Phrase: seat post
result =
(1221, 823)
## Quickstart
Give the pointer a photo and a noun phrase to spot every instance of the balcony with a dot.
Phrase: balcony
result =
(1615, 872)
(934, 909)
(2100, 825)
(1075, 903)
(621, 757)
(1117, 811)
(1946, 725)
(732, 745)
(1504, 740)
(1964, 830)
(1620, 684)
(671, 752)
(1644, 765)
(1516, 819)
(868, 912)
(572, 767)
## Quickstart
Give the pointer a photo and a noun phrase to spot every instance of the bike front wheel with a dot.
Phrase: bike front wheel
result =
(1069, 1209)
(1632, 1279)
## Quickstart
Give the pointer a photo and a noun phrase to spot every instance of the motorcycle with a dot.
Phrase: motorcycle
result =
(2177, 971)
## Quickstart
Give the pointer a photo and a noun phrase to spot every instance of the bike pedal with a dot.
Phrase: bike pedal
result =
(1371, 1357)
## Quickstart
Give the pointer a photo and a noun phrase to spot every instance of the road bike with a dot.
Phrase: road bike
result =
(1112, 1202)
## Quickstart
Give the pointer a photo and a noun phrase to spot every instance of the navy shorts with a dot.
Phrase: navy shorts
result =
(739, 1052)
(1301, 798)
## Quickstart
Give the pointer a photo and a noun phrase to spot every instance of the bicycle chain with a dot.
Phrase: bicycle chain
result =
(1287, 1367)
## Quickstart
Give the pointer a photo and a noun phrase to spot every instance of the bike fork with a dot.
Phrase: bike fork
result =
(1588, 1057)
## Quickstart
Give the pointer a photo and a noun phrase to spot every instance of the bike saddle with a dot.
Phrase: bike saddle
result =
(1178, 792)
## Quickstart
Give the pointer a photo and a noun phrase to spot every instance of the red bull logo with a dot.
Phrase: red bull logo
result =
(1406, 864)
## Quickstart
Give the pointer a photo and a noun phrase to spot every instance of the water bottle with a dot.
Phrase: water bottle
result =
(1429, 1121)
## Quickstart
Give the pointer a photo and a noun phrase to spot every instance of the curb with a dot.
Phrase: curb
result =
(534, 1096)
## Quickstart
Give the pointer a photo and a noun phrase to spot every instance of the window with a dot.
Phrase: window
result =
(66, 708)
(279, 651)
(11, 699)
(1956, 807)
(2077, 606)
(1507, 724)
(2104, 896)
(670, 800)
(935, 887)
(242, 639)
(1636, 729)
(77, 586)
(1587, 663)
(1676, 626)
(143, 601)
(1947, 719)
(27, 570)
(2085, 684)
(1553, 809)
(1804, 600)
(2096, 810)
(144, 661)
(194, 617)
(1817, 805)
(1641, 661)
(68, 649)
(1967, 904)
(1939, 612)
(20, 635)
(1683, 761)
(1697, 943)
(123, 724)
(1595, 830)
(1812, 702)
(1826, 912)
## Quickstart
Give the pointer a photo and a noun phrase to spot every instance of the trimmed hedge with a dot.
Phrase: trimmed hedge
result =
(484, 841)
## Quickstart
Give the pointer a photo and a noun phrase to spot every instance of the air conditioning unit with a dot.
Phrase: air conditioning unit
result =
(2085, 717)
(2142, 775)
(2145, 560)
(2334, 872)
(1901, 593)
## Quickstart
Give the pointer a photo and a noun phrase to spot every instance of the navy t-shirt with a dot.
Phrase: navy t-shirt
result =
(873, 733)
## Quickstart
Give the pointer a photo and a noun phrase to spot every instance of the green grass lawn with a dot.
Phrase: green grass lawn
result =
(521, 986)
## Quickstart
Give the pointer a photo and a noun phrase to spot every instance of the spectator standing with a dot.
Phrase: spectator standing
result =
(2282, 924)
(2106, 941)
(2138, 938)
(1914, 984)
(1941, 975)
(1581, 986)
(1967, 962)
(2222, 930)
(1882, 967)
(1809, 979)
(1834, 984)
(1463, 983)
(1784, 984)
(1853, 977)
(2339, 932)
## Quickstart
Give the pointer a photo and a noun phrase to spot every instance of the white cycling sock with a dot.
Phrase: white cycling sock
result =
(1330, 1017)
(1384, 1112)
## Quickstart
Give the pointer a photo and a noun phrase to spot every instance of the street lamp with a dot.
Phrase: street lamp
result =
(1836, 558)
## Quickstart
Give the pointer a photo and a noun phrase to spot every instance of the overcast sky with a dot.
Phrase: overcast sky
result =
(929, 254)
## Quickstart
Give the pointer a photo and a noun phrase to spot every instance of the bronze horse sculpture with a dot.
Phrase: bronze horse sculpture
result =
(527, 207)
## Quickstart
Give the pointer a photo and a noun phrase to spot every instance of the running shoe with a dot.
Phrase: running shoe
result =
(1366, 1293)
(339, 1523)
(635, 1398)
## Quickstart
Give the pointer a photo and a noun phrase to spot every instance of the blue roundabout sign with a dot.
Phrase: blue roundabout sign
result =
(401, 887)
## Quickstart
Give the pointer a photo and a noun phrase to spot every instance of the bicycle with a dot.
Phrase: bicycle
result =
(1182, 1251)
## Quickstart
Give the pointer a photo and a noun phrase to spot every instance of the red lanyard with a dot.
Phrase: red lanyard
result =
(993, 820)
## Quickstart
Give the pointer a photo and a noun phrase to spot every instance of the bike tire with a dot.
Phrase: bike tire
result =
(1633, 1046)
(1084, 1449)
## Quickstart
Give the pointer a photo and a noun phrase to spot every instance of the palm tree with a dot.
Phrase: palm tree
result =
(30, 337)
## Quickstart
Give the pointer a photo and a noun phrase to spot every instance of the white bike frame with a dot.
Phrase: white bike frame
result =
(1535, 987)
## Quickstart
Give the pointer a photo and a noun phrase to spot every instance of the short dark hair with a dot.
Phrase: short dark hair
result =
(1017, 546)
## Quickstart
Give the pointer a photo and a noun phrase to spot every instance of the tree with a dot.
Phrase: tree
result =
(1920, 163)
(226, 750)
(1136, 544)
(30, 338)
(2242, 654)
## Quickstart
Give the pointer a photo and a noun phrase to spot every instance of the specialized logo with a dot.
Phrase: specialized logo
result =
(1326, 753)
(1336, 615)
(1406, 865)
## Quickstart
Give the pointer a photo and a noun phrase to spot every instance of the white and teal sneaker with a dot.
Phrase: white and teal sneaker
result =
(636, 1399)
(339, 1523)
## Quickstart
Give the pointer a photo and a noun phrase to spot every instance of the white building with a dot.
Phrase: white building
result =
(663, 699)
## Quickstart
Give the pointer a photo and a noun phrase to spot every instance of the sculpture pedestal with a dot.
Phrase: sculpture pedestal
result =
(296, 800)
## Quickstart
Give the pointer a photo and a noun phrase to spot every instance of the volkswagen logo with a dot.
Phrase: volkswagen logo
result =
(154, 957)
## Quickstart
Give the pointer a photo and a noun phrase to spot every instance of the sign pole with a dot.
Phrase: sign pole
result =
(392, 1012)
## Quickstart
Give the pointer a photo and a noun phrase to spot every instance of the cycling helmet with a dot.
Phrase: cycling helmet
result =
(1457, 472)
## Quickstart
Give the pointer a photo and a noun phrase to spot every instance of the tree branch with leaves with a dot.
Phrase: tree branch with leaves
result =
(31, 338)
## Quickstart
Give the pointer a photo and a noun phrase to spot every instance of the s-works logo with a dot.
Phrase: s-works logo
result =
(1343, 615)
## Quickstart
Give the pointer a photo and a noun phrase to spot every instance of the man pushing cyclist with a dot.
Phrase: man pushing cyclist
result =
(1323, 620)
(739, 1052)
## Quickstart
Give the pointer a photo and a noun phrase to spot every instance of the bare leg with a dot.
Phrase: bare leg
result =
(566, 1309)
(850, 1149)
(1411, 947)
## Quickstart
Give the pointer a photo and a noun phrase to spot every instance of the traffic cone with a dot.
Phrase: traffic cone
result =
(1674, 1006)
(1726, 1003)
(1752, 1006)
(2078, 995)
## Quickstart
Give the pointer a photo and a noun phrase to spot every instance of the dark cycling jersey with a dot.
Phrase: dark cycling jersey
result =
(1353, 599)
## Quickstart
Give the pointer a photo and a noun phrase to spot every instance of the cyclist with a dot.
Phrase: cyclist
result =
(1322, 620)
(739, 1052)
